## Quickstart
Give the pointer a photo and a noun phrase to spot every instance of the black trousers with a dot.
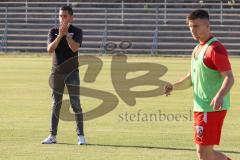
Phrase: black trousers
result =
(58, 81)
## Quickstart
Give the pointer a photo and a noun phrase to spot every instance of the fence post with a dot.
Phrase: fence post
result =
(104, 35)
(155, 36)
(6, 30)
(221, 13)
(165, 11)
(122, 11)
(26, 11)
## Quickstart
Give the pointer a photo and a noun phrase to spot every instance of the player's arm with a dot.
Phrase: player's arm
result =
(219, 57)
(63, 29)
(53, 45)
(227, 84)
(182, 84)
(72, 44)
(75, 42)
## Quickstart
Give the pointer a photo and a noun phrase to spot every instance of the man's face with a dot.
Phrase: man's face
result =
(65, 17)
(199, 28)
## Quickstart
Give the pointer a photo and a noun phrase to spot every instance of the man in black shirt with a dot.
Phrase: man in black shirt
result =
(63, 44)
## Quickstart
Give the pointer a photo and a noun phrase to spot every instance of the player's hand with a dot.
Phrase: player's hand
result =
(217, 103)
(63, 29)
(168, 89)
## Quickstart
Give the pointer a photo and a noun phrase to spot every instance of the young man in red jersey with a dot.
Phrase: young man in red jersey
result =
(211, 77)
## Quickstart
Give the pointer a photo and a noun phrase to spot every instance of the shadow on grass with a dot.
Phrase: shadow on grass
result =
(148, 147)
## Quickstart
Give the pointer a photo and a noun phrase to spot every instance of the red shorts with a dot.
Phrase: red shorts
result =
(208, 126)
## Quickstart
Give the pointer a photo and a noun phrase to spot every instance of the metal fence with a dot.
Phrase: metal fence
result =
(220, 7)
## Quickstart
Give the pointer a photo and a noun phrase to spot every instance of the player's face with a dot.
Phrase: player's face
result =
(199, 29)
(65, 17)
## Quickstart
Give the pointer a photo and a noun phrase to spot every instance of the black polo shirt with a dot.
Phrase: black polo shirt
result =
(63, 52)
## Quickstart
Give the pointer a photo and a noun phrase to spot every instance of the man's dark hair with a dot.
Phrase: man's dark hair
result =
(199, 13)
(67, 8)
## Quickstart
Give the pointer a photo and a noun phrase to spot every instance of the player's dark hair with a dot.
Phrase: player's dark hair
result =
(67, 8)
(199, 13)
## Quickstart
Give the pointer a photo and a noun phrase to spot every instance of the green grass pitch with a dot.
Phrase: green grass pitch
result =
(25, 106)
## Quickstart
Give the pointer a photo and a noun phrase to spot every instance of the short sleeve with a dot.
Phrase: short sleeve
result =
(51, 36)
(78, 36)
(220, 58)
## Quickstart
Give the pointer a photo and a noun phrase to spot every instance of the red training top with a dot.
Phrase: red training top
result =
(216, 57)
